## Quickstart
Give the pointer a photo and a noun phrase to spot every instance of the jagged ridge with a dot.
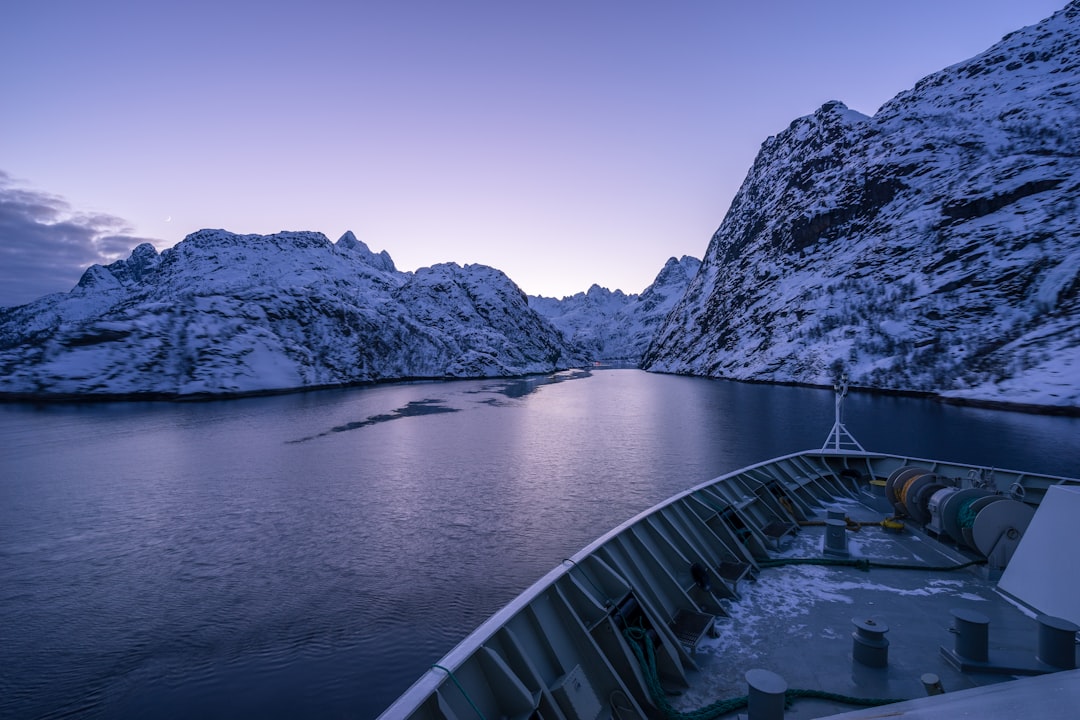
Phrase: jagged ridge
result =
(226, 313)
(613, 327)
(934, 246)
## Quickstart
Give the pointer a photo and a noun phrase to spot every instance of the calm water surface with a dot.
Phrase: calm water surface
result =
(313, 554)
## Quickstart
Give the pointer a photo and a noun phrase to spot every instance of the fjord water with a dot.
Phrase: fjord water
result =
(310, 555)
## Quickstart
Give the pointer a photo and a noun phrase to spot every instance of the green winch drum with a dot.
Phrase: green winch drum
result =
(970, 513)
(952, 507)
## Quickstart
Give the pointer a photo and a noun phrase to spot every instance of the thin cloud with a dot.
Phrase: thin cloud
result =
(45, 245)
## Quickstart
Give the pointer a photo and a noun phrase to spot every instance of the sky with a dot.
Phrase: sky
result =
(564, 142)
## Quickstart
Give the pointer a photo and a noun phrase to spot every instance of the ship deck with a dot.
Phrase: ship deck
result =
(798, 621)
(667, 614)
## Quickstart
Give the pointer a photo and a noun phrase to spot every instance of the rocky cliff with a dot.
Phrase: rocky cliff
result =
(934, 246)
(222, 313)
(613, 327)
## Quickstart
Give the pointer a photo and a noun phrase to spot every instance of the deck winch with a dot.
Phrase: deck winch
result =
(976, 518)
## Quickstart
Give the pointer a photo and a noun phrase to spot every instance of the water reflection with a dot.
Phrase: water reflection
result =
(510, 389)
(517, 388)
(412, 409)
(174, 560)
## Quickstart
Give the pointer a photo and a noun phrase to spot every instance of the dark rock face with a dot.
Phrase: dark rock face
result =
(225, 313)
(613, 327)
(934, 246)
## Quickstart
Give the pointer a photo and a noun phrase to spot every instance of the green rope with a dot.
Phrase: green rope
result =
(928, 568)
(643, 649)
(451, 674)
(965, 515)
(864, 564)
(792, 695)
(859, 563)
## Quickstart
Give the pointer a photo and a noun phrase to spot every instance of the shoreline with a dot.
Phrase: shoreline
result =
(30, 398)
(986, 404)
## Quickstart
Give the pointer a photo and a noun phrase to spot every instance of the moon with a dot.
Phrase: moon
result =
(168, 219)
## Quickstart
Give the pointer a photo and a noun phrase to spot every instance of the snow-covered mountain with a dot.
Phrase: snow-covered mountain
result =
(613, 326)
(221, 313)
(934, 246)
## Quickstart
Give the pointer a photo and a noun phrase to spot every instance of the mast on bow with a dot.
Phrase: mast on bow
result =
(839, 437)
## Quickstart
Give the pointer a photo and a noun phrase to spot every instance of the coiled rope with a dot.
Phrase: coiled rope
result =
(902, 495)
(965, 516)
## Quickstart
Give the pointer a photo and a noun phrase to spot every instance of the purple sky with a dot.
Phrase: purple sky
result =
(565, 142)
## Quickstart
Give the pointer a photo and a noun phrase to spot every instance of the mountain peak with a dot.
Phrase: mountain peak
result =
(613, 326)
(348, 239)
(381, 261)
(932, 247)
(222, 313)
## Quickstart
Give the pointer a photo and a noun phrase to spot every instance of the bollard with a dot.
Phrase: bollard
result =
(835, 538)
(932, 684)
(1057, 642)
(766, 697)
(869, 646)
(972, 630)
